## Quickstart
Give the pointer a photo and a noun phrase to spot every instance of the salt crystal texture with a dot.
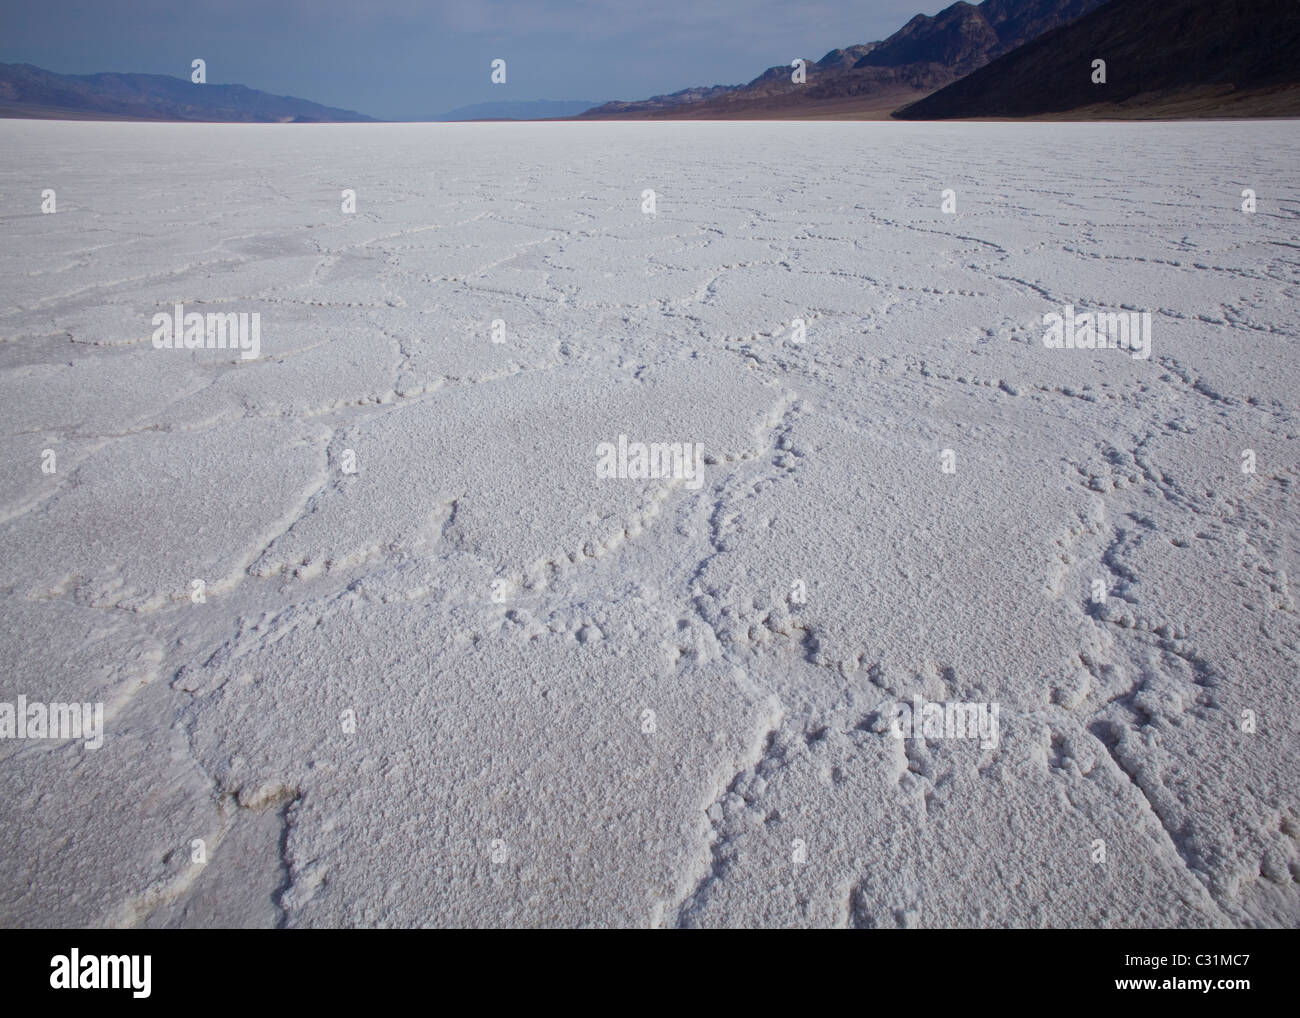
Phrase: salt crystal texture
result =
(444, 674)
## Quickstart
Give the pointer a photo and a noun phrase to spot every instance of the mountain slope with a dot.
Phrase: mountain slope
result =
(925, 54)
(27, 91)
(1224, 57)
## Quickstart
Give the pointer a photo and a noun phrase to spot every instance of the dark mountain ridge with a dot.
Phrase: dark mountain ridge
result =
(1214, 57)
(925, 54)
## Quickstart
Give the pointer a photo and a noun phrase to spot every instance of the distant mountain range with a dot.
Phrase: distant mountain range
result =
(995, 59)
(534, 109)
(27, 91)
(871, 78)
(1177, 58)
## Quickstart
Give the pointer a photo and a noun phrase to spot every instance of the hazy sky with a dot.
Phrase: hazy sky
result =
(407, 58)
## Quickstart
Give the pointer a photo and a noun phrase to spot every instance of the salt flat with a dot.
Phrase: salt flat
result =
(438, 671)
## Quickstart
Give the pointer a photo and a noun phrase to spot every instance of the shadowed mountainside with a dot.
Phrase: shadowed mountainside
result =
(871, 78)
(1171, 58)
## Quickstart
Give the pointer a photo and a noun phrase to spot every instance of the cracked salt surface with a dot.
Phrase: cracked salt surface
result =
(470, 682)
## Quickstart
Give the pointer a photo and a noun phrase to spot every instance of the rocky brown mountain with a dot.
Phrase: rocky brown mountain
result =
(871, 78)
(1162, 58)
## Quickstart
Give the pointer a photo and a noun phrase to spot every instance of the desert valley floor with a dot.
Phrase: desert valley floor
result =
(377, 643)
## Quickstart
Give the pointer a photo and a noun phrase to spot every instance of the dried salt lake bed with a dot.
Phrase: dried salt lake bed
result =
(376, 642)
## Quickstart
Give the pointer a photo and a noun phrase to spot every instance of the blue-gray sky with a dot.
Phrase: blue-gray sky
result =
(397, 59)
